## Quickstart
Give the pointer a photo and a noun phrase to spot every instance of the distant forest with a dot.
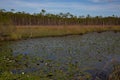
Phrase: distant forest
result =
(43, 18)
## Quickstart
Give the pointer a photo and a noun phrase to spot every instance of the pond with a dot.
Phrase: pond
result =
(86, 53)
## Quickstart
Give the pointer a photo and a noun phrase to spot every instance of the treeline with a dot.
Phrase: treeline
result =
(43, 18)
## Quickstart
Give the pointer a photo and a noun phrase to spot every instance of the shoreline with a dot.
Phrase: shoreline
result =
(31, 32)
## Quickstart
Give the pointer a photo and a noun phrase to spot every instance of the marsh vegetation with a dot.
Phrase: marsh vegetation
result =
(85, 57)
(65, 47)
(21, 25)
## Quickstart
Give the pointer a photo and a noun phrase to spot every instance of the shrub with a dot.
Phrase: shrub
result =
(6, 26)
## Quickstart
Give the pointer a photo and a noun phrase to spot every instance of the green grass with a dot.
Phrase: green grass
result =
(23, 32)
(8, 62)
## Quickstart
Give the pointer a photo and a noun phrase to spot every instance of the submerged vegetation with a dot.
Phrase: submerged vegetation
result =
(18, 64)
(14, 68)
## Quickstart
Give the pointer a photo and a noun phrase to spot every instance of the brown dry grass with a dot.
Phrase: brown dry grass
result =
(45, 31)
(115, 75)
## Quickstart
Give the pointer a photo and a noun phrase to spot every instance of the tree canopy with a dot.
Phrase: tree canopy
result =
(44, 18)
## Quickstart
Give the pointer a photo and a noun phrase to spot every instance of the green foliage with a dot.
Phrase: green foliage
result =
(63, 22)
(43, 18)
(6, 25)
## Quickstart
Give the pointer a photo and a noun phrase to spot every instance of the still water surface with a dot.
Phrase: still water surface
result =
(88, 51)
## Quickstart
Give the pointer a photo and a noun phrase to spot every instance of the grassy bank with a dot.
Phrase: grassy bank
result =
(24, 32)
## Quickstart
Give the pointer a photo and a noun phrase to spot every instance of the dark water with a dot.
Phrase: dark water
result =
(96, 51)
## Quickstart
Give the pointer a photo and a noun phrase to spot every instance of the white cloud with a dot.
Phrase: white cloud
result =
(18, 3)
(61, 6)
(95, 0)
(101, 1)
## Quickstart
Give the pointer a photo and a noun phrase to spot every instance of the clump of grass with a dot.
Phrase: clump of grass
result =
(14, 36)
(115, 75)
(9, 76)
(6, 27)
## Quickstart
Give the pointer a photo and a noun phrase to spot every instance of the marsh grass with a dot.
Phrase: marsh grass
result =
(10, 63)
(24, 32)
(115, 75)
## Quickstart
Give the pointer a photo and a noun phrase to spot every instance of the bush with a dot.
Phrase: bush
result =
(6, 26)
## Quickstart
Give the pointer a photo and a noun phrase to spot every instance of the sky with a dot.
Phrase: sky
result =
(75, 7)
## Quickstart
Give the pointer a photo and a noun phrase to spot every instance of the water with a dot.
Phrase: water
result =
(89, 51)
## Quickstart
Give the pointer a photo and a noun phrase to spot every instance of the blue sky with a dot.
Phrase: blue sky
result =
(76, 7)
